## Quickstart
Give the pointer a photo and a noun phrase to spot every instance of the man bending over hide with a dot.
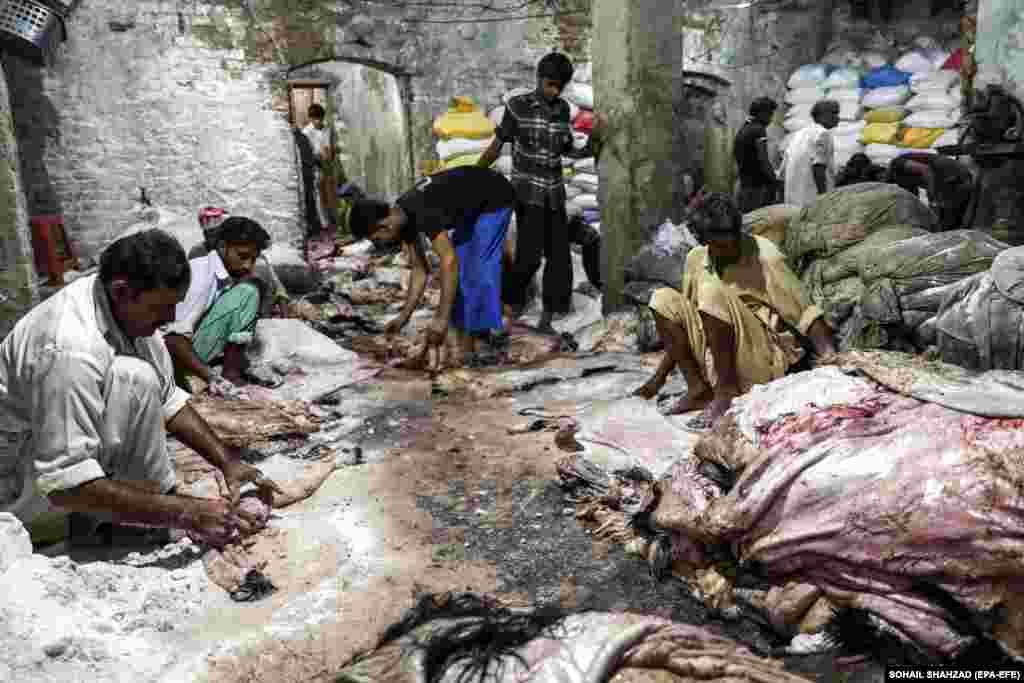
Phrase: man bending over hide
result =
(739, 319)
(86, 379)
(475, 204)
(216, 321)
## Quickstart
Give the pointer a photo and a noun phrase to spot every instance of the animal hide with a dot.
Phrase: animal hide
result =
(883, 502)
(243, 423)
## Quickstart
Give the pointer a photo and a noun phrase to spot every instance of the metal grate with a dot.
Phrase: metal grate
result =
(30, 29)
(28, 20)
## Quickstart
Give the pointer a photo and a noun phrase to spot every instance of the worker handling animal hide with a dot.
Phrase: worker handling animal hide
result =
(88, 384)
(217, 318)
(741, 318)
(948, 182)
(465, 212)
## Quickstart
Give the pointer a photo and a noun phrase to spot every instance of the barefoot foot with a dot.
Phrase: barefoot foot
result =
(690, 402)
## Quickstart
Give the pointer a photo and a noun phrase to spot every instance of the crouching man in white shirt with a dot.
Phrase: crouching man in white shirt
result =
(217, 319)
(87, 384)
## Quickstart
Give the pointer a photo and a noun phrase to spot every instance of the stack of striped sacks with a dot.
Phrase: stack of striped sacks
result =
(885, 110)
(463, 134)
(912, 106)
(581, 185)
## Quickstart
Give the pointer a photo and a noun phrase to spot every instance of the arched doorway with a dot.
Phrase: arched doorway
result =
(367, 121)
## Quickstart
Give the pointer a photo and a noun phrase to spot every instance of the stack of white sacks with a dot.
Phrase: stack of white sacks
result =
(886, 110)
(581, 174)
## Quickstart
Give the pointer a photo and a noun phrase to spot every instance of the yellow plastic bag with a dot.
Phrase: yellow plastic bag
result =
(463, 124)
(889, 115)
(463, 120)
(462, 160)
(463, 104)
(920, 138)
(881, 134)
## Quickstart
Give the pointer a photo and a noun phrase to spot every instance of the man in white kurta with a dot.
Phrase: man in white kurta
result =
(808, 165)
(87, 391)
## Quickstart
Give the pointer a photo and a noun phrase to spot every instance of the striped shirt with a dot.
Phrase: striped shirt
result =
(541, 135)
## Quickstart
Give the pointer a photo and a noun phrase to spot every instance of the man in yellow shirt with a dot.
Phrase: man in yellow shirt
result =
(741, 318)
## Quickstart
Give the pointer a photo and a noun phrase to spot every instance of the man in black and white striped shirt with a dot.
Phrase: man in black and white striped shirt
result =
(538, 126)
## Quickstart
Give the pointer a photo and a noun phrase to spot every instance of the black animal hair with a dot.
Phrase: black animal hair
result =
(498, 632)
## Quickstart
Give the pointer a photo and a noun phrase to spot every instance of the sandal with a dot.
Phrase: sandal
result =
(255, 586)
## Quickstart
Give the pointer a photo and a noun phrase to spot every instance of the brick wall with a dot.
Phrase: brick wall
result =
(187, 100)
(135, 100)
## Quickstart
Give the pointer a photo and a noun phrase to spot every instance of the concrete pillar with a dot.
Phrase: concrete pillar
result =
(17, 275)
(637, 56)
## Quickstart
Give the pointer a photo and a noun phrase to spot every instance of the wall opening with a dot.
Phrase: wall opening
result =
(367, 112)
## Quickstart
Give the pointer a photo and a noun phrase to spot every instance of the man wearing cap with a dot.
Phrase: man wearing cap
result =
(741, 319)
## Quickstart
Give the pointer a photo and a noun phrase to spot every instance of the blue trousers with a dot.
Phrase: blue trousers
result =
(477, 306)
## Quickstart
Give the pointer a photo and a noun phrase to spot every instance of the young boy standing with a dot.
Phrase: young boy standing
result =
(538, 126)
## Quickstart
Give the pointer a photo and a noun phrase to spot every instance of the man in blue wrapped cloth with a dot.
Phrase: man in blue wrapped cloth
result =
(465, 212)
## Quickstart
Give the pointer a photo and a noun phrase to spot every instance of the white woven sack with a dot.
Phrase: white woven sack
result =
(883, 154)
(950, 137)
(580, 94)
(931, 119)
(454, 147)
(914, 62)
(588, 165)
(846, 139)
(849, 129)
(841, 95)
(808, 75)
(934, 80)
(942, 101)
(843, 77)
(805, 95)
(584, 73)
(586, 182)
(571, 192)
(886, 97)
(587, 202)
(873, 59)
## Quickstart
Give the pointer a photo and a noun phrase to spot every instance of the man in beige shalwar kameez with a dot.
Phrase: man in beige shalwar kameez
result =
(737, 321)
